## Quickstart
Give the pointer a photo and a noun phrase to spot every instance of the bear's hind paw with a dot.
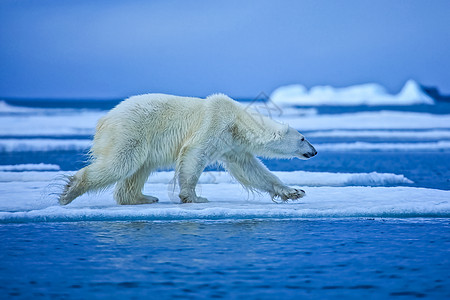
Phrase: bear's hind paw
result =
(142, 199)
(147, 200)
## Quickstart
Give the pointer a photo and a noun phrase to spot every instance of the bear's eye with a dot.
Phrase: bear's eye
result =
(303, 139)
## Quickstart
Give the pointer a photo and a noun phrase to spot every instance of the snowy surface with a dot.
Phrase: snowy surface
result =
(391, 134)
(50, 122)
(30, 167)
(370, 120)
(27, 198)
(441, 145)
(364, 94)
(25, 145)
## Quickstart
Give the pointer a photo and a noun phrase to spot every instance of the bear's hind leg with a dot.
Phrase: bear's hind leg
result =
(90, 178)
(129, 190)
(75, 187)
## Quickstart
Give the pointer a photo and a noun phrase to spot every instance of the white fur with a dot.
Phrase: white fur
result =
(148, 132)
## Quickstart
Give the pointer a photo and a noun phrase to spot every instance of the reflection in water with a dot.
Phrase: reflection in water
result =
(259, 259)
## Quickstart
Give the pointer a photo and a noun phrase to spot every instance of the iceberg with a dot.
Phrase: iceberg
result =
(365, 94)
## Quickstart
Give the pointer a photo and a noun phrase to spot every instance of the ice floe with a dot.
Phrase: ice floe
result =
(230, 202)
(27, 197)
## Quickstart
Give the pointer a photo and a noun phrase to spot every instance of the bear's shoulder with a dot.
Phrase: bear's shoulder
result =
(223, 104)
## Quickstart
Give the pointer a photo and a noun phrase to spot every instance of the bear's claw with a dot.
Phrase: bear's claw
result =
(292, 194)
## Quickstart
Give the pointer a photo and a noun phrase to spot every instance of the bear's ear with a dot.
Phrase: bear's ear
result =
(257, 131)
(280, 132)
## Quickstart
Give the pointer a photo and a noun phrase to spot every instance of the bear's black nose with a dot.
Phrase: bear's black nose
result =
(310, 154)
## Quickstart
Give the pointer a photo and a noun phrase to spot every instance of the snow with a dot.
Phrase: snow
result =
(67, 123)
(26, 198)
(23, 145)
(30, 167)
(414, 135)
(364, 94)
(7, 108)
(431, 146)
(230, 203)
(370, 120)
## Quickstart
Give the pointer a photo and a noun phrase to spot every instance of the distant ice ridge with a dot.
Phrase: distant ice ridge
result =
(33, 145)
(431, 146)
(30, 167)
(65, 123)
(7, 108)
(364, 94)
(370, 120)
(413, 135)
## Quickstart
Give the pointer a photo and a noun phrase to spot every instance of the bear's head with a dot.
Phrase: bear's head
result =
(290, 144)
(263, 136)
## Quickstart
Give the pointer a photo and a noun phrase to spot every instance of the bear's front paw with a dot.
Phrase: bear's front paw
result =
(295, 194)
(193, 199)
(287, 194)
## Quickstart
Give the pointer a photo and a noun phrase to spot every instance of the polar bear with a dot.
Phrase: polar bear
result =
(153, 131)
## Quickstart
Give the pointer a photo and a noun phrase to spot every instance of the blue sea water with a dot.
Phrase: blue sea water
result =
(270, 259)
(317, 259)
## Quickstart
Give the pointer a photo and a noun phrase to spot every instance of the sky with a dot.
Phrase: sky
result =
(113, 49)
